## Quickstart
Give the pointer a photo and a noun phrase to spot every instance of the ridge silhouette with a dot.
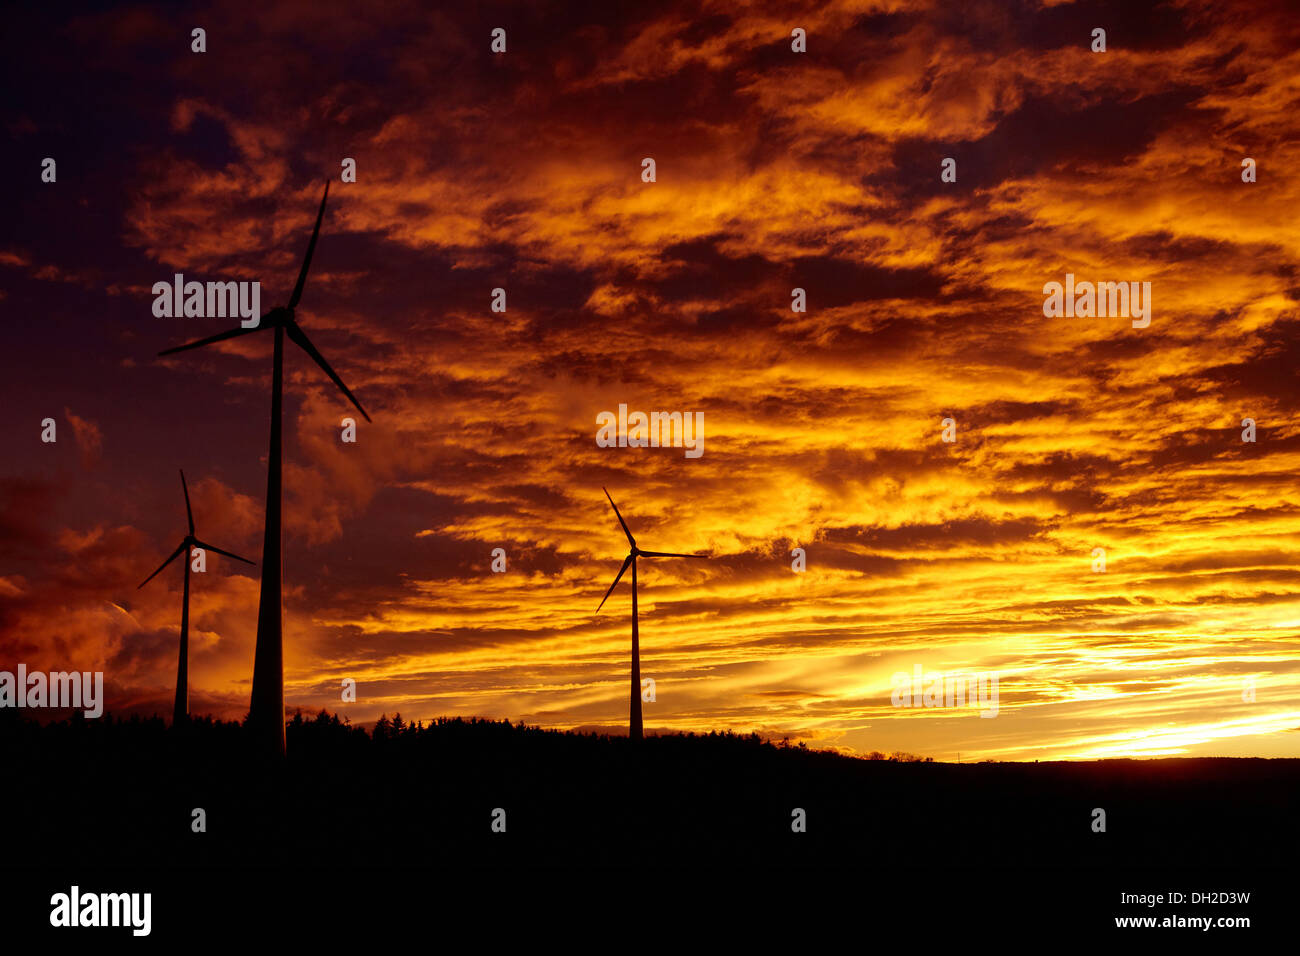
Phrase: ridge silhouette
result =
(423, 793)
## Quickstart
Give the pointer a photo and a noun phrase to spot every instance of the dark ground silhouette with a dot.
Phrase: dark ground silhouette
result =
(100, 791)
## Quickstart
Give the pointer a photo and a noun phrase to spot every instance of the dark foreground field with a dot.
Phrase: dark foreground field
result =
(103, 790)
(400, 824)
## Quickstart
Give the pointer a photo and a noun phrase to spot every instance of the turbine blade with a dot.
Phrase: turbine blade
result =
(219, 337)
(188, 513)
(630, 540)
(311, 247)
(304, 343)
(626, 562)
(669, 554)
(213, 547)
(179, 548)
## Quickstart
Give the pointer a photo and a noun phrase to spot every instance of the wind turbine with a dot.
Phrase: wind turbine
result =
(266, 711)
(634, 730)
(181, 710)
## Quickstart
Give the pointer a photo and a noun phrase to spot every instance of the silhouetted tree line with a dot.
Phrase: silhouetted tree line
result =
(326, 730)
(409, 792)
(317, 736)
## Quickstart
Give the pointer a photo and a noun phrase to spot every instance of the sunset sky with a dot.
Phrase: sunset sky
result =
(822, 430)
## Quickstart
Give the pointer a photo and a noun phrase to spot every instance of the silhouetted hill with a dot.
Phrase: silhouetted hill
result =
(110, 790)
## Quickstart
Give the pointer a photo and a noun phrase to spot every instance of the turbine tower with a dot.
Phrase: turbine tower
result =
(181, 709)
(266, 710)
(634, 726)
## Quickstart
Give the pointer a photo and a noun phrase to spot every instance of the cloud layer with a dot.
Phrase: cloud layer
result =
(775, 170)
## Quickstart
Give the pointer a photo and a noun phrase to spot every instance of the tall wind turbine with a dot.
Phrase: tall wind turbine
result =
(634, 729)
(181, 710)
(266, 711)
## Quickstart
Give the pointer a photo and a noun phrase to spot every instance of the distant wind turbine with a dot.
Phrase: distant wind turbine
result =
(181, 709)
(266, 711)
(634, 730)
